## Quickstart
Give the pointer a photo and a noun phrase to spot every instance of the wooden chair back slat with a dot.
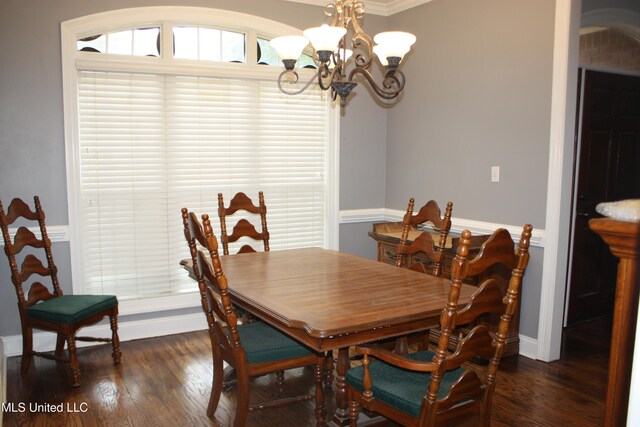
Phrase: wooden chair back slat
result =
(499, 248)
(245, 249)
(421, 244)
(429, 212)
(243, 228)
(487, 299)
(477, 343)
(38, 292)
(468, 388)
(18, 208)
(25, 237)
(241, 202)
(32, 265)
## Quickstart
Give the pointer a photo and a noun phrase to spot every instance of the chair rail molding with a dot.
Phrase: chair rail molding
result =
(457, 224)
(56, 233)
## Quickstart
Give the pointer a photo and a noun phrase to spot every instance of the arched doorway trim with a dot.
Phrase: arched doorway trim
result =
(620, 19)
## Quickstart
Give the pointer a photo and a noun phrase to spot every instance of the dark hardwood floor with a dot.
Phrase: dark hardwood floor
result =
(166, 381)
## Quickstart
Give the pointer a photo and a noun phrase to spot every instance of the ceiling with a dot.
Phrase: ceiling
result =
(375, 7)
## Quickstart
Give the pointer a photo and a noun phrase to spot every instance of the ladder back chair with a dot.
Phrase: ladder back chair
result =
(243, 228)
(252, 349)
(421, 254)
(43, 309)
(424, 244)
(441, 388)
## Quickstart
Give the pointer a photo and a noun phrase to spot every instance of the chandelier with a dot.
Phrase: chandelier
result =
(338, 63)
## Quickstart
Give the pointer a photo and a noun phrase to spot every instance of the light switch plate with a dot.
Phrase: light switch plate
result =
(495, 173)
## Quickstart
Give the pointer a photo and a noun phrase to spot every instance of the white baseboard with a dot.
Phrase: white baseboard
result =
(528, 347)
(127, 331)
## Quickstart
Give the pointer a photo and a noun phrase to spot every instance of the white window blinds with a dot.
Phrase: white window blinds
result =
(152, 144)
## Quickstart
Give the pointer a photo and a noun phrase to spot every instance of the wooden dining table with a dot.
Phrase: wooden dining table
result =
(331, 300)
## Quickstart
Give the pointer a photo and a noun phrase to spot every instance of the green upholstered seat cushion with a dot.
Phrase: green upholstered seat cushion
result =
(71, 308)
(401, 388)
(263, 343)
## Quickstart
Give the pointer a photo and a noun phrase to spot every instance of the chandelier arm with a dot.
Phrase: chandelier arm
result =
(295, 92)
(360, 40)
(393, 82)
(328, 76)
(394, 78)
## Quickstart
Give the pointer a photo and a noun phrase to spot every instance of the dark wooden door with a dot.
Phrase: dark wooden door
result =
(608, 170)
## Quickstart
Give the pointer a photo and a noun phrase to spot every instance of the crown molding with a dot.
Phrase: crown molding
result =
(373, 7)
(397, 6)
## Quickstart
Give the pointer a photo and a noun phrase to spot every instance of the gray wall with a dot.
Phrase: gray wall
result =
(478, 95)
(354, 239)
(32, 155)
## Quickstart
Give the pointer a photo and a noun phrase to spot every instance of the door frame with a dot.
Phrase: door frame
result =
(561, 155)
(578, 148)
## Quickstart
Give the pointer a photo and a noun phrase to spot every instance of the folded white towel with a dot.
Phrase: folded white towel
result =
(623, 210)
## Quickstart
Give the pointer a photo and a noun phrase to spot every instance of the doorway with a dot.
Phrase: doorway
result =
(607, 169)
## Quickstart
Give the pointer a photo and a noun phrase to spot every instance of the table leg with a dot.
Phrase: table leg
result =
(402, 345)
(341, 417)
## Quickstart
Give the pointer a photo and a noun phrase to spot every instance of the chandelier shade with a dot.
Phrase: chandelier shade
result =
(289, 47)
(382, 54)
(333, 47)
(325, 37)
(394, 43)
